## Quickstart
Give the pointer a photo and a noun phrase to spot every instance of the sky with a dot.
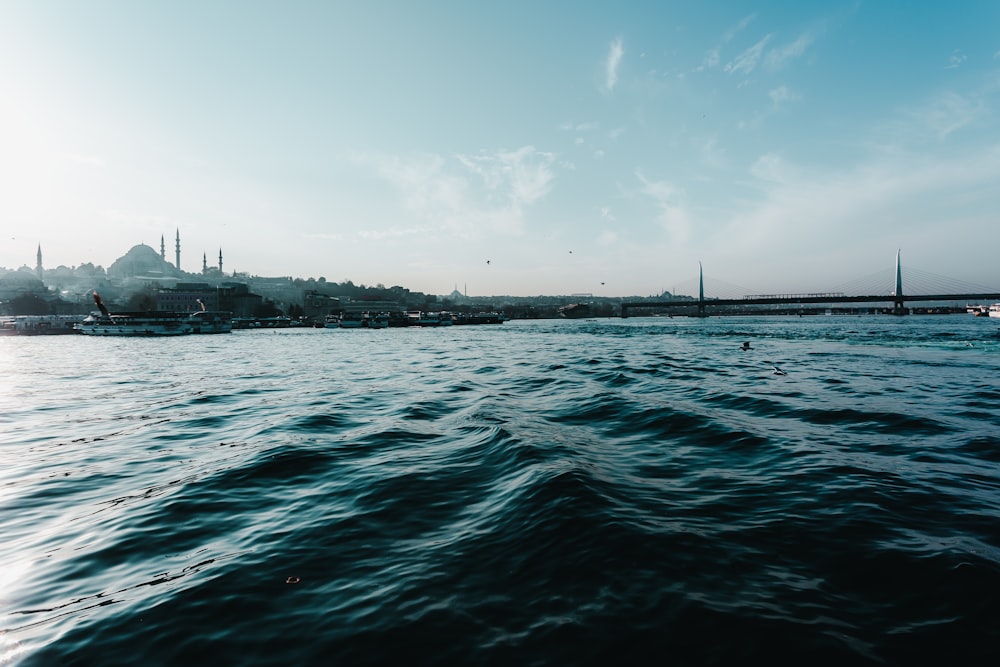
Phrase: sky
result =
(515, 148)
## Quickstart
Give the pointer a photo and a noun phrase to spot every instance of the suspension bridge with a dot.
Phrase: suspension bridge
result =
(896, 297)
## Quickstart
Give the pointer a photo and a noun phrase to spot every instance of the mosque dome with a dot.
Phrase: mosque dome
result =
(15, 283)
(141, 260)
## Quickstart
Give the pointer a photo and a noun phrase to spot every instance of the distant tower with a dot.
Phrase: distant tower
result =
(898, 306)
(701, 291)
(204, 263)
(178, 265)
(163, 249)
(220, 260)
(38, 267)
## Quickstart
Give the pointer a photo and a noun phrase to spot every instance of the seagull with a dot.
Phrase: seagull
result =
(778, 371)
(746, 346)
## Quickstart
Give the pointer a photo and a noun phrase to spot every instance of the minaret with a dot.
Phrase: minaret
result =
(163, 249)
(38, 268)
(178, 265)
(220, 260)
(204, 263)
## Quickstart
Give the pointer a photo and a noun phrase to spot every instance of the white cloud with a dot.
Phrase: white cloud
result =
(769, 167)
(672, 217)
(607, 214)
(956, 59)
(712, 155)
(612, 63)
(781, 95)
(779, 56)
(465, 195)
(747, 62)
(890, 198)
(712, 58)
(940, 117)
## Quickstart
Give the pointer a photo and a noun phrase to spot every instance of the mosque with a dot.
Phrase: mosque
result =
(142, 261)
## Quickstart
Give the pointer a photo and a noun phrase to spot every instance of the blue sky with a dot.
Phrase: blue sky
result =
(577, 146)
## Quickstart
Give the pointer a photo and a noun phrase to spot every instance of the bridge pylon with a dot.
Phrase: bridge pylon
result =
(897, 303)
(701, 292)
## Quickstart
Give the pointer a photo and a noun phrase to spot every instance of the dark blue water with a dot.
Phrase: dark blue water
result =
(550, 493)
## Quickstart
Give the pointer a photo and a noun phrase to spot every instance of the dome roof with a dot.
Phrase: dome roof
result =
(141, 260)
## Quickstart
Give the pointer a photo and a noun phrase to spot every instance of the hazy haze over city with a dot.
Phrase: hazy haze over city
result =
(510, 148)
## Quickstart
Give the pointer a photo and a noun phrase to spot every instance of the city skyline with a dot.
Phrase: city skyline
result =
(516, 150)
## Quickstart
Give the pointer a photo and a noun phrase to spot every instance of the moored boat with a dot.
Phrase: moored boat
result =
(353, 320)
(154, 323)
(38, 325)
(211, 322)
(995, 310)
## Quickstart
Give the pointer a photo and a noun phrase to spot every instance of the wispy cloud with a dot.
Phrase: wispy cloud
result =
(769, 167)
(956, 59)
(778, 57)
(586, 126)
(747, 62)
(466, 194)
(612, 63)
(782, 95)
(939, 118)
(800, 207)
(667, 198)
(712, 58)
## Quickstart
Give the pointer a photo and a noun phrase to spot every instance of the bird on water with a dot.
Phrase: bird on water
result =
(746, 346)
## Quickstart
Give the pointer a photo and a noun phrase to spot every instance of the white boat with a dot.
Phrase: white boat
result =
(353, 320)
(38, 325)
(154, 323)
(441, 319)
(211, 322)
(995, 310)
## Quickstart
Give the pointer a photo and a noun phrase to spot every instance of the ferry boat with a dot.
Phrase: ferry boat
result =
(211, 321)
(38, 325)
(353, 320)
(440, 319)
(153, 323)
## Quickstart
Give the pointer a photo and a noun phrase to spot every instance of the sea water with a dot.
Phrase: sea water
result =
(532, 493)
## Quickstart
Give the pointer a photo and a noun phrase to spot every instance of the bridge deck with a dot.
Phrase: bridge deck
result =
(792, 299)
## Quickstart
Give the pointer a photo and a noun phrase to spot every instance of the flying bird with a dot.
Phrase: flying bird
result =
(778, 371)
(746, 346)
